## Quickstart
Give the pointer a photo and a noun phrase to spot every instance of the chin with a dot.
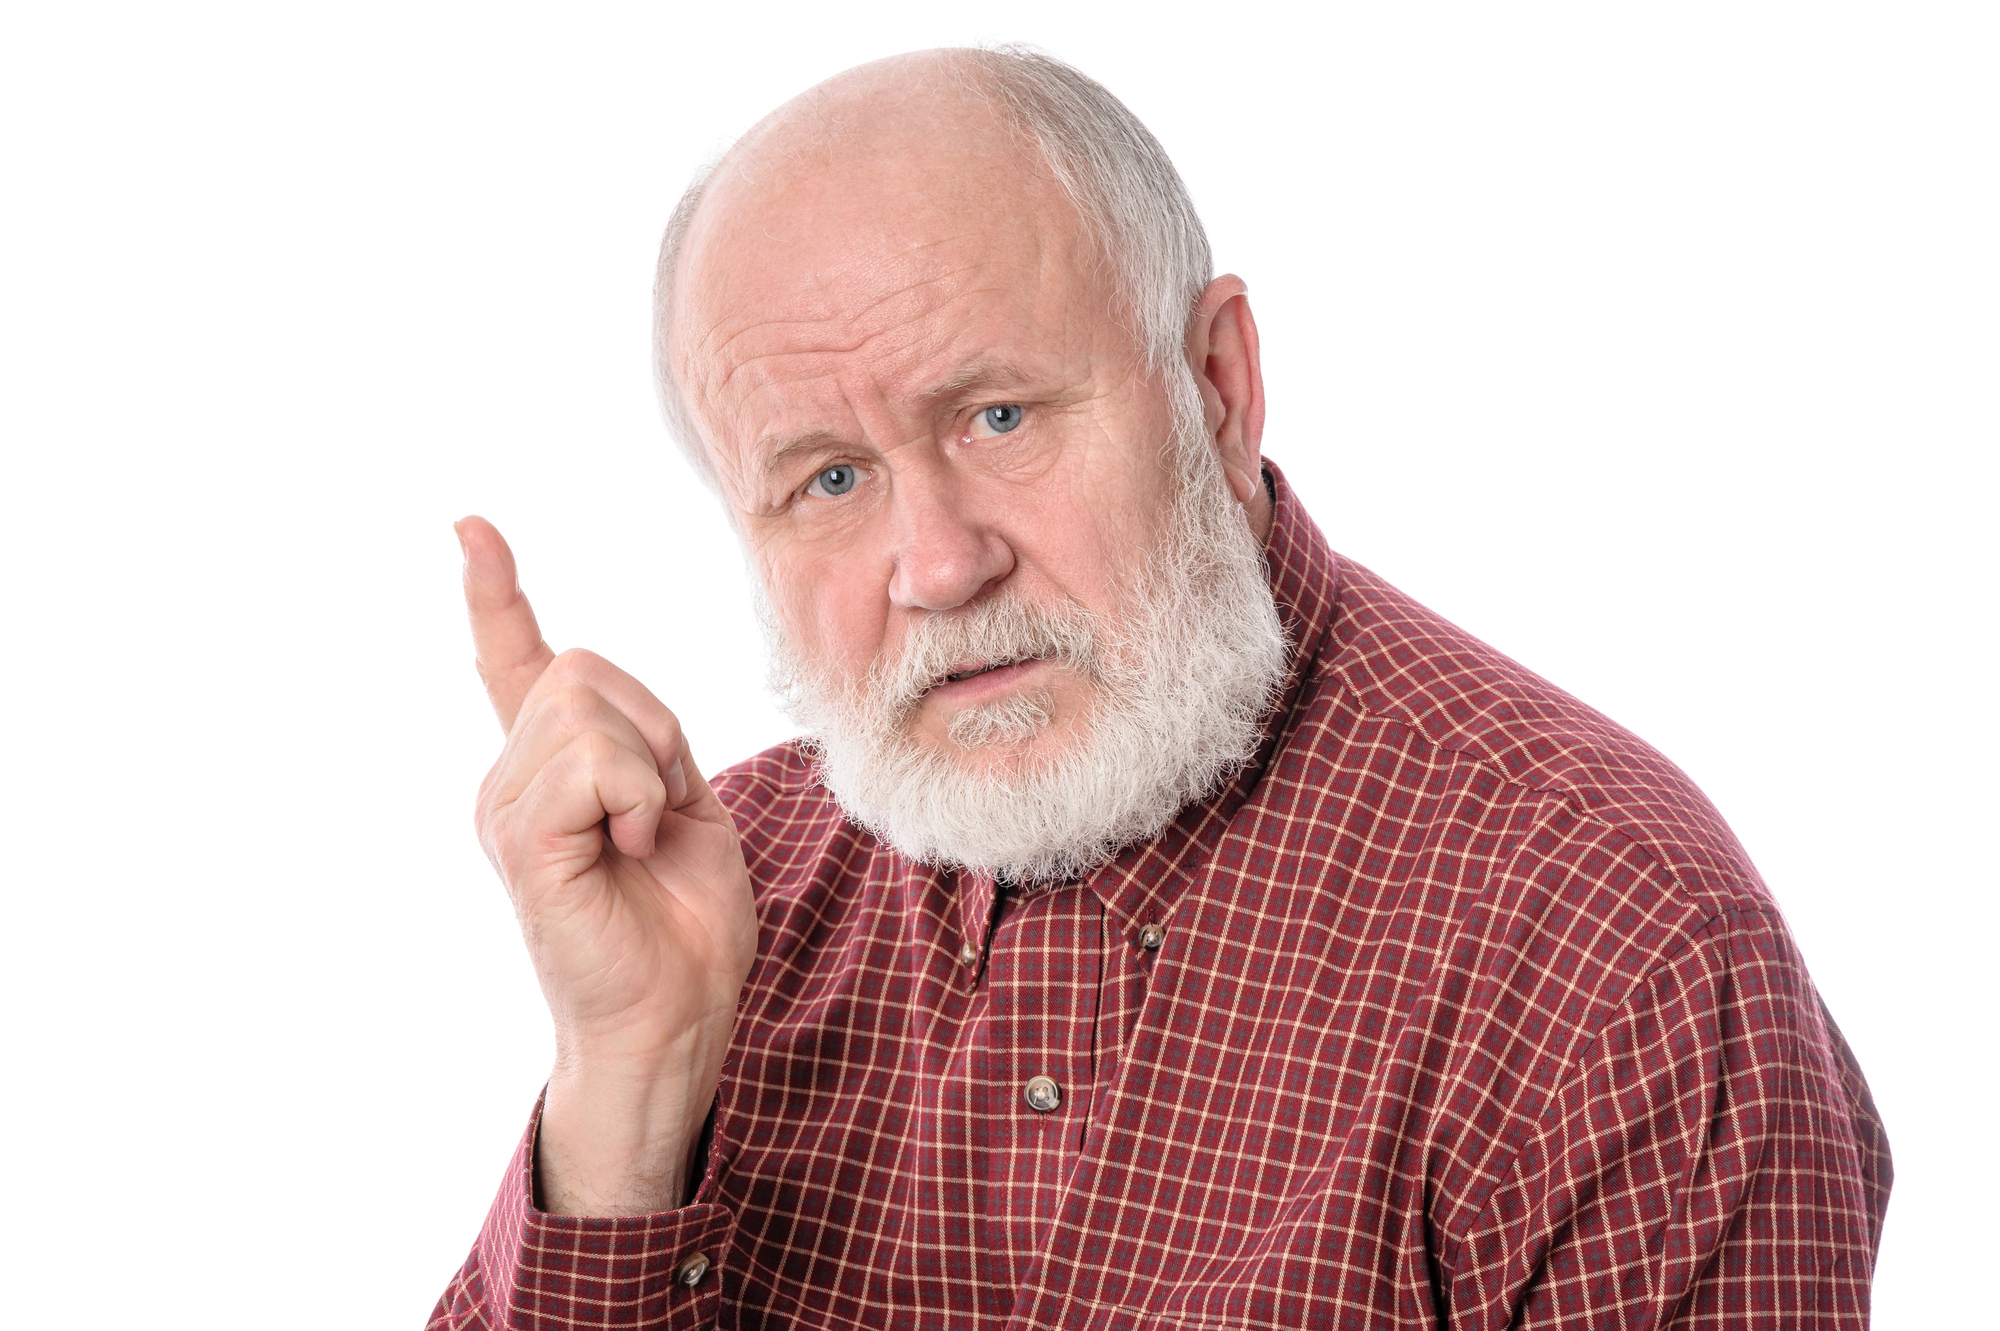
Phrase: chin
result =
(1007, 757)
(1030, 728)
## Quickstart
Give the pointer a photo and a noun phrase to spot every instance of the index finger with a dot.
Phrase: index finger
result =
(508, 642)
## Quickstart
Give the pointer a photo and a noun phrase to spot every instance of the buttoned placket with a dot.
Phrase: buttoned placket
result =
(976, 896)
(1017, 1096)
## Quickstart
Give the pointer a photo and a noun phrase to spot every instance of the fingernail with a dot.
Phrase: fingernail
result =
(677, 785)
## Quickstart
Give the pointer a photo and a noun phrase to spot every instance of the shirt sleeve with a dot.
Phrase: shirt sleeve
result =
(1713, 1161)
(533, 1271)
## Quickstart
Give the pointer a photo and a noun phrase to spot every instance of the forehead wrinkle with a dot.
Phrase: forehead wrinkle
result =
(916, 289)
(747, 367)
(904, 338)
(716, 347)
(872, 267)
(1037, 264)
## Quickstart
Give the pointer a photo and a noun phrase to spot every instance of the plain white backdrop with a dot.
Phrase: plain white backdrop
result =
(1656, 345)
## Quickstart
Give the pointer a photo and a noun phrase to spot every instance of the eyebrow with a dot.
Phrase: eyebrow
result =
(983, 370)
(784, 448)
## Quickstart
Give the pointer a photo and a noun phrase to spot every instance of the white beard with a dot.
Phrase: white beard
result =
(1182, 680)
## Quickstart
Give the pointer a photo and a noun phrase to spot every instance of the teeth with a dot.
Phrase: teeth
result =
(968, 674)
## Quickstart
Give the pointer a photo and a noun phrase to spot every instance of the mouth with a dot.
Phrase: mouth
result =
(972, 679)
(973, 671)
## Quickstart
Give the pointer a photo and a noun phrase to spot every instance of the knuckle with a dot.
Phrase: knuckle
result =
(577, 663)
(597, 750)
(571, 707)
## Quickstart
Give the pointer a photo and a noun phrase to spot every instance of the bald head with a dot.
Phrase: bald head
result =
(924, 104)
(879, 170)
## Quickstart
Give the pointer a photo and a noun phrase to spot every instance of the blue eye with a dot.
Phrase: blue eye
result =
(835, 480)
(1001, 419)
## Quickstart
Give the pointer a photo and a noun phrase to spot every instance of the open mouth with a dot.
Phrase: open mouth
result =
(956, 676)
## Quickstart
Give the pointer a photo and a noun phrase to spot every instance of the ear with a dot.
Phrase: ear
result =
(1222, 350)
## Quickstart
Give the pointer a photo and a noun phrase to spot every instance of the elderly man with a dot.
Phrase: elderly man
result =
(1164, 922)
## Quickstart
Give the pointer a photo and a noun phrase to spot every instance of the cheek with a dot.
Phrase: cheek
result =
(1095, 532)
(829, 613)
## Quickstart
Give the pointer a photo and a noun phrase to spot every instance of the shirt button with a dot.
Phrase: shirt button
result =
(967, 954)
(1151, 936)
(1043, 1094)
(692, 1268)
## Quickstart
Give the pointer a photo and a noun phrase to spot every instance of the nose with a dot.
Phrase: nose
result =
(945, 553)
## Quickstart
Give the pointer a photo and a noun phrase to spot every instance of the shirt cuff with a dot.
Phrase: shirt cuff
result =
(548, 1271)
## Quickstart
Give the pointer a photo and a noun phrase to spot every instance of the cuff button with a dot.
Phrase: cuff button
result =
(692, 1269)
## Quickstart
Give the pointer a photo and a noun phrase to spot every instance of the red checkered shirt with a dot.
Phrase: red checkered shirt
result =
(1459, 1006)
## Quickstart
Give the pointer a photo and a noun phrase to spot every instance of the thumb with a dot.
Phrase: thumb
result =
(511, 653)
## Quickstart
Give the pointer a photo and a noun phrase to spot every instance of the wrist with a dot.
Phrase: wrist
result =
(619, 1129)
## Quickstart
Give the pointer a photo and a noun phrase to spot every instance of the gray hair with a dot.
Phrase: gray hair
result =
(1132, 202)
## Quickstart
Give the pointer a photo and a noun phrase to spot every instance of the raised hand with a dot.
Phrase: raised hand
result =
(632, 894)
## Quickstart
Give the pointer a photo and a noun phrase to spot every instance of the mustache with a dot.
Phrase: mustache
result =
(994, 632)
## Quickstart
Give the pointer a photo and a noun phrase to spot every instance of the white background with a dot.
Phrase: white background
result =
(1657, 347)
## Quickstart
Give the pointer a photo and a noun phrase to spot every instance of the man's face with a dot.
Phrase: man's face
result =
(921, 398)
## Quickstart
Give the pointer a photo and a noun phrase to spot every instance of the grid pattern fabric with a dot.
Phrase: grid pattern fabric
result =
(1469, 1012)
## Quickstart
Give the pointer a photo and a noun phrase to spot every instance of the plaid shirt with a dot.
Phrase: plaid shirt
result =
(1458, 1007)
